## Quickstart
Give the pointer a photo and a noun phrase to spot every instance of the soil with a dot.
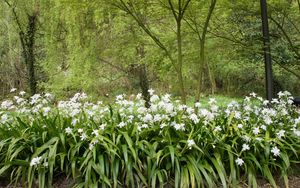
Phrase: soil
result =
(62, 182)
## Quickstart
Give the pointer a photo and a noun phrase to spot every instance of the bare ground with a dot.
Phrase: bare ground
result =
(62, 182)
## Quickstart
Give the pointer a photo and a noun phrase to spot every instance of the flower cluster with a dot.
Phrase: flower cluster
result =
(253, 122)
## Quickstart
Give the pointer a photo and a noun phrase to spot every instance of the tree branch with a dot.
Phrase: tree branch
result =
(286, 36)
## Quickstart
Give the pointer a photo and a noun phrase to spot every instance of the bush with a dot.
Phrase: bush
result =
(128, 145)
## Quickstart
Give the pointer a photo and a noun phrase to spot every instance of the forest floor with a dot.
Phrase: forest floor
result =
(294, 182)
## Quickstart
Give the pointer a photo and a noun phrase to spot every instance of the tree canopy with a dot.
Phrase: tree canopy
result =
(186, 47)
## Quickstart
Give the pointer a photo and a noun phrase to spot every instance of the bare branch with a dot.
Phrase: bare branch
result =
(173, 10)
(286, 36)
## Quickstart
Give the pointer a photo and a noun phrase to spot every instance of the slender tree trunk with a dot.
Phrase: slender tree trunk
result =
(10, 47)
(142, 75)
(27, 39)
(29, 50)
(144, 84)
(202, 40)
(211, 78)
(179, 63)
(200, 70)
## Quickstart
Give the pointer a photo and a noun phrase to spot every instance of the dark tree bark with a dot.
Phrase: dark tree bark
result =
(29, 49)
(143, 78)
(27, 38)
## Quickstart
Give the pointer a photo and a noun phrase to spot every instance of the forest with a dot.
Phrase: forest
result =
(190, 48)
(149, 93)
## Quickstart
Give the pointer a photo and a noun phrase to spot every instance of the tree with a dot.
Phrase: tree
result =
(201, 32)
(178, 10)
(27, 36)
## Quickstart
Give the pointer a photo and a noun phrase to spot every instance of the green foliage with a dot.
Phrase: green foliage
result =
(92, 46)
(127, 145)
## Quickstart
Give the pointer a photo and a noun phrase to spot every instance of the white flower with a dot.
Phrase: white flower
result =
(166, 97)
(240, 126)
(237, 115)
(245, 147)
(49, 96)
(268, 120)
(246, 138)
(91, 146)
(13, 90)
(263, 127)
(189, 110)
(256, 131)
(83, 136)
(253, 94)
(19, 100)
(68, 130)
(157, 118)
(148, 118)
(74, 112)
(284, 112)
(163, 125)
(151, 91)
(297, 121)
(197, 104)
(194, 118)
(35, 98)
(276, 101)
(35, 161)
(275, 151)
(153, 108)
(139, 96)
(247, 108)
(214, 108)
(247, 99)
(80, 130)
(4, 118)
(297, 133)
(169, 108)
(22, 93)
(212, 101)
(74, 121)
(96, 133)
(121, 124)
(102, 126)
(46, 111)
(7, 105)
(280, 134)
(265, 102)
(239, 161)
(190, 143)
(154, 98)
(178, 126)
(119, 97)
(144, 126)
(217, 129)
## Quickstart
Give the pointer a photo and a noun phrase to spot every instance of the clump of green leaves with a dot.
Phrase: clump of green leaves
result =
(128, 145)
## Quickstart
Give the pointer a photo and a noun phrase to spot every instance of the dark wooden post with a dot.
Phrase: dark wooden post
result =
(267, 51)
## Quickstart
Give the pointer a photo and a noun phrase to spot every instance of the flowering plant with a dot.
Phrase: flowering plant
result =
(127, 144)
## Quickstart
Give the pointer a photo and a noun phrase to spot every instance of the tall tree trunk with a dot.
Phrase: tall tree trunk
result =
(27, 39)
(142, 75)
(179, 63)
(144, 84)
(202, 40)
(30, 61)
(211, 78)
(200, 70)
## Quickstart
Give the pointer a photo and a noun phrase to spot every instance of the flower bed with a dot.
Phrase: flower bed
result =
(168, 144)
